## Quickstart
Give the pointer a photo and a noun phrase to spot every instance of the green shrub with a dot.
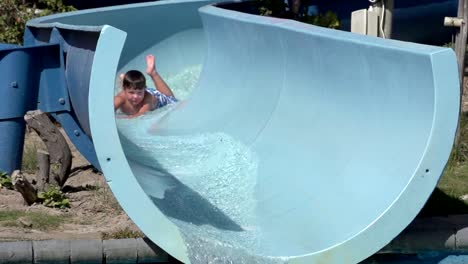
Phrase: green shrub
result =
(15, 14)
(5, 180)
(275, 8)
(278, 8)
(54, 197)
(328, 20)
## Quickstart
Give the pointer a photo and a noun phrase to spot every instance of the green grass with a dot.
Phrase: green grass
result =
(454, 181)
(453, 184)
(29, 163)
(39, 220)
(10, 215)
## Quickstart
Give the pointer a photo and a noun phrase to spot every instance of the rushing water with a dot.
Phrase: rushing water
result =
(203, 182)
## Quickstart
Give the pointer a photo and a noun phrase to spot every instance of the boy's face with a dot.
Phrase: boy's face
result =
(134, 96)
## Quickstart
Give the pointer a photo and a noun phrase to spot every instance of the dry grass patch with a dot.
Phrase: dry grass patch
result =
(122, 233)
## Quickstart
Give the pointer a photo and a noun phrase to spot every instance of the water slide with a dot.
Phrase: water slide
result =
(290, 144)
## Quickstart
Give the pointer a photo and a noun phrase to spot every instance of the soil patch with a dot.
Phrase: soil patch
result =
(94, 212)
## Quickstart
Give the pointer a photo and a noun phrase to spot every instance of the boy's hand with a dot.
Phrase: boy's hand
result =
(151, 63)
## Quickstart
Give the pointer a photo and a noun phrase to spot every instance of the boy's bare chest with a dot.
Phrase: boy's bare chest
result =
(130, 109)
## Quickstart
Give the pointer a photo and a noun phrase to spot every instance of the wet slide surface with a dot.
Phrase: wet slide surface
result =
(290, 143)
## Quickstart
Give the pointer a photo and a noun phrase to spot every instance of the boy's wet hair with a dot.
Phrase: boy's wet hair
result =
(134, 80)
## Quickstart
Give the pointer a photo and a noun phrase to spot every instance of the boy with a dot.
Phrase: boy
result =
(135, 99)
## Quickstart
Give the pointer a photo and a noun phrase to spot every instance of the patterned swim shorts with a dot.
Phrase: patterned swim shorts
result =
(163, 99)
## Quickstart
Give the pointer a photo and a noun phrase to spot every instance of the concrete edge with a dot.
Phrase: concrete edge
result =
(446, 234)
(132, 250)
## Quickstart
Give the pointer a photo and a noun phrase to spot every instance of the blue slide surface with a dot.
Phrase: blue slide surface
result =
(291, 143)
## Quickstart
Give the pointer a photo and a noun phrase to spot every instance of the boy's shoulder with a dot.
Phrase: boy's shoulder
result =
(120, 94)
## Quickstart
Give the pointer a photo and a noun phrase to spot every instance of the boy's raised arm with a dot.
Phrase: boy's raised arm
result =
(157, 79)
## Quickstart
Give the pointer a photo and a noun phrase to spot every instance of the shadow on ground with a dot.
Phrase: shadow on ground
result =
(441, 204)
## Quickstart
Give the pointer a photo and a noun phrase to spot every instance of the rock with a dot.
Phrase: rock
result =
(24, 222)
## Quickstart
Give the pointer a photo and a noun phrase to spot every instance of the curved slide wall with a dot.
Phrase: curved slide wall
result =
(298, 144)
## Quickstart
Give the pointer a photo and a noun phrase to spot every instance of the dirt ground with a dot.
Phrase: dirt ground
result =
(94, 211)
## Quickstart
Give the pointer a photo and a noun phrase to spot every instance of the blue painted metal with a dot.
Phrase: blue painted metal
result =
(78, 52)
(69, 95)
(351, 135)
(78, 136)
(18, 93)
(23, 70)
(7, 46)
(11, 144)
(14, 65)
(53, 94)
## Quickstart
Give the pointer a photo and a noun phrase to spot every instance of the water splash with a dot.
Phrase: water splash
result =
(212, 180)
(184, 82)
(203, 182)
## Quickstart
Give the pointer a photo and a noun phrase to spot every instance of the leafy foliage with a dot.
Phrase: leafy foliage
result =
(53, 6)
(54, 197)
(5, 180)
(278, 8)
(328, 20)
(15, 14)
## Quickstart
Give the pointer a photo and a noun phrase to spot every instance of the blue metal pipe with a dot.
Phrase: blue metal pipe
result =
(11, 144)
(17, 96)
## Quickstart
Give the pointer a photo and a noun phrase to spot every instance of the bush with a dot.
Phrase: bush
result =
(15, 14)
(278, 8)
(328, 20)
(54, 197)
(5, 180)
